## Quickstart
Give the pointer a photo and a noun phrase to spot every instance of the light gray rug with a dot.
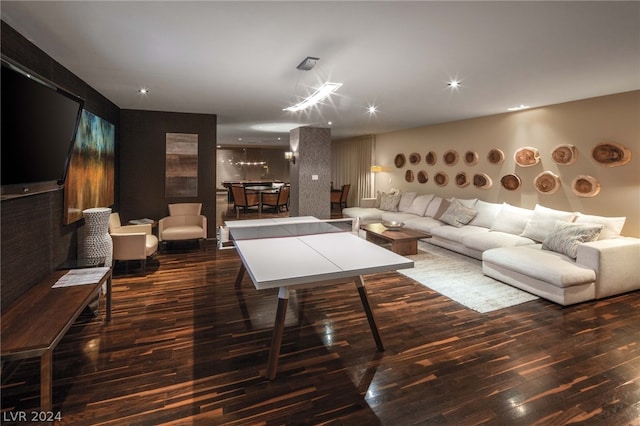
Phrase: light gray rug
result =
(460, 278)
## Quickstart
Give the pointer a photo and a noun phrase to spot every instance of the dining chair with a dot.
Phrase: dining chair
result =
(244, 197)
(277, 199)
(339, 196)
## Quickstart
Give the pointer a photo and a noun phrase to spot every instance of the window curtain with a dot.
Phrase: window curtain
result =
(351, 161)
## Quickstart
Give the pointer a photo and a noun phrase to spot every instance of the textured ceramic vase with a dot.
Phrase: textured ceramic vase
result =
(94, 242)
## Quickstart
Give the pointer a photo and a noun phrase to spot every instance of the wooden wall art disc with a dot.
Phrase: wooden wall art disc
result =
(461, 180)
(547, 183)
(510, 182)
(585, 186)
(565, 155)
(414, 158)
(482, 181)
(611, 154)
(431, 158)
(495, 156)
(399, 160)
(527, 156)
(450, 157)
(408, 175)
(423, 177)
(471, 158)
(441, 179)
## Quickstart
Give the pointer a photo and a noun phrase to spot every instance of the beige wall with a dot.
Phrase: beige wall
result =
(584, 123)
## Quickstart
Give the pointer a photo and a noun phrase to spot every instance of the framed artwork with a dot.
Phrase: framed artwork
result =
(90, 179)
(181, 171)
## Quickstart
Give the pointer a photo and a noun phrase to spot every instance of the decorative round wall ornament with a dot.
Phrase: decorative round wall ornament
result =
(408, 175)
(510, 182)
(441, 179)
(431, 158)
(565, 154)
(585, 186)
(450, 157)
(423, 177)
(547, 183)
(461, 180)
(611, 154)
(471, 158)
(414, 158)
(482, 181)
(527, 156)
(495, 156)
(399, 160)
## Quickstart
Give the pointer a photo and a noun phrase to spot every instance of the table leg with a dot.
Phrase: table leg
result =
(46, 380)
(367, 309)
(108, 303)
(278, 331)
(240, 275)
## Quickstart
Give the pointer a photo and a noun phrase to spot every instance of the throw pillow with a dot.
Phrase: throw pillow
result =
(406, 199)
(612, 225)
(486, 213)
(511, 219)
(469, 202)
(444, 205)
(419, 204)
(433, 207)
(565, 237)
(543, 221)
(389, 202)
(378, 199)
(457, 214)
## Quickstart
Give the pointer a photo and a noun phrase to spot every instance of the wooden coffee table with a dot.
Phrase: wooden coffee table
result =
(403, 241)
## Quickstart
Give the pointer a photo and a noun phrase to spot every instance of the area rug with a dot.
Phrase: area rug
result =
(460, 278)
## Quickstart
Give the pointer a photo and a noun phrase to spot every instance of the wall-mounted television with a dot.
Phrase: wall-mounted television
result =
(39, 124)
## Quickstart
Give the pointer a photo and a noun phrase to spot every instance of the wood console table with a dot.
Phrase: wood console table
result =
(35, 323)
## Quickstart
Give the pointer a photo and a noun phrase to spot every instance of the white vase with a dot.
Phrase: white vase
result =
(94, 242)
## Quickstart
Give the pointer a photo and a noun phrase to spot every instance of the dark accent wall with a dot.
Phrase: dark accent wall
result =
(142, 161)
(34, 240)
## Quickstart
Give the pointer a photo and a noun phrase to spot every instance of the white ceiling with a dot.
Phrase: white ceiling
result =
(238, 59)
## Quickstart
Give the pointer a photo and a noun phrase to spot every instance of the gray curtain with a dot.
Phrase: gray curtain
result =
(351, 161)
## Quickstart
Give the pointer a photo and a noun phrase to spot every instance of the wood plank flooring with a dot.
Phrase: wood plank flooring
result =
(186, 347)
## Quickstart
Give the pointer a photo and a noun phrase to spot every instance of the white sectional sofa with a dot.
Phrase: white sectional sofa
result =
(565, 257)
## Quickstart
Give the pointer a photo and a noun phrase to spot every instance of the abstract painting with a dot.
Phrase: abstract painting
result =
(91, 176)
(181, 172)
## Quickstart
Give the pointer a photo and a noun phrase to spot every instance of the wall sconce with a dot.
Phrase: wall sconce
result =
(376, 169)
(289, 155)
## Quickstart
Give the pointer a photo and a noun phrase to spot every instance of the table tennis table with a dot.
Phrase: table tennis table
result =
(304, 252)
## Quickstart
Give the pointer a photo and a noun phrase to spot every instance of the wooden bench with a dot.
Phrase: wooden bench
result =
(35, 323)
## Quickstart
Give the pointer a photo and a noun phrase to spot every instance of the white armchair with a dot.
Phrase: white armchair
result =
(183, 223)
(132, 242)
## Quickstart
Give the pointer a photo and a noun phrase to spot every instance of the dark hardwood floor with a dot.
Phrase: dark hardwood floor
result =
(185, 347)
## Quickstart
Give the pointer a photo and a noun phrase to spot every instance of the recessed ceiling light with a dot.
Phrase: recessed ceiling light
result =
(518, 108)
(143, 91)
(372, 109)
(454, 84)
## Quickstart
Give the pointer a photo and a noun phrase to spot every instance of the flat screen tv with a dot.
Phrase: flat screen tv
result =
(39, 123)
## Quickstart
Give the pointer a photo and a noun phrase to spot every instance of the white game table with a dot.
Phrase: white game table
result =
(292, 253)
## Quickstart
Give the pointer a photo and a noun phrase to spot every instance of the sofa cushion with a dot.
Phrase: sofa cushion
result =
(543, 221)
(419, 204)
(486, 213)
(511, 219)
(456, 234)
(566, 237)
(494, 239)
(366, 214)
(424, 224)
(406, 199)
(457, 214)
(182, 232)
(612, 225)
(559, 270)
